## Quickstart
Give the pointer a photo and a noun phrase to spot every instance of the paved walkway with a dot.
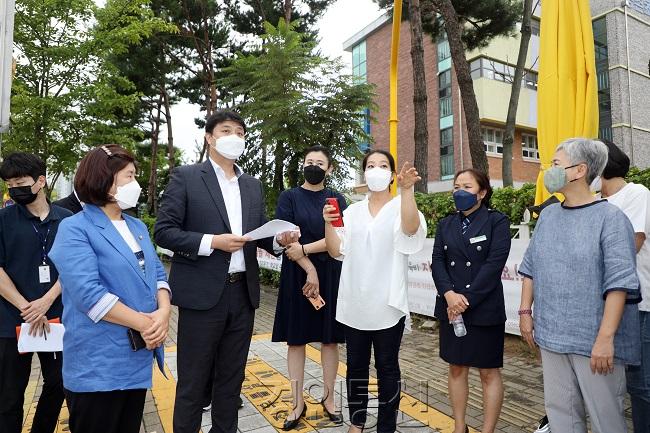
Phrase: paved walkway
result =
(424, 407)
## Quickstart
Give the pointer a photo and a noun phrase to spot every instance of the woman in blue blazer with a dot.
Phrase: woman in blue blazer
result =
(469, 253)
(115, 296)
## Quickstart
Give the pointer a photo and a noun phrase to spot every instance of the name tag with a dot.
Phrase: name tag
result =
(44, 274)
(478, 239)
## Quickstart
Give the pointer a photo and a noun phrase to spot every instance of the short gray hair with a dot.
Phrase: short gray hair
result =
(588, 151)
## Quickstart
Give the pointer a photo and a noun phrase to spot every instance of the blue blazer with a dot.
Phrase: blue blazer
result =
(472, 265)
(93, 259)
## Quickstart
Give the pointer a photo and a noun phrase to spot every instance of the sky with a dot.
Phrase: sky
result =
(341, 21)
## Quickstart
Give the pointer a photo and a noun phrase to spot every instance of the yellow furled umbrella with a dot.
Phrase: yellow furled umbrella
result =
(567, 92)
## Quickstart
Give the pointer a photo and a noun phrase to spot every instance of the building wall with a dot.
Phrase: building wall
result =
(636, 142)
(492, 97)
(378, 47)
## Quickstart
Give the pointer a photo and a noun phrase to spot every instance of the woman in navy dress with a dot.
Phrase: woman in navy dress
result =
(469, 253)
(307, 271)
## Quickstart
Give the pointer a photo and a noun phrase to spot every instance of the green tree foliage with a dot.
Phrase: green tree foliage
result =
(248, 16)
(65, 97)
(293, 99)
(482, 20)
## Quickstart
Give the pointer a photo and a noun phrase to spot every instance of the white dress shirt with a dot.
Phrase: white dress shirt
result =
(374, 250)
(232, 198)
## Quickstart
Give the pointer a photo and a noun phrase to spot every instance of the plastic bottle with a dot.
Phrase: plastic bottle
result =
(459, 326)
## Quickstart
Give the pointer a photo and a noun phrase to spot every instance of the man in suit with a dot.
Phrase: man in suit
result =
(70, 203)
(214, 274)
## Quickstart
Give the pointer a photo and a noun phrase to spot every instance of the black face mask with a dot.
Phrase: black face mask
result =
(23, 194)
(314, 174)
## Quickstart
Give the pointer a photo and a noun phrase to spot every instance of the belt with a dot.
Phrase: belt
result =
(235, 276)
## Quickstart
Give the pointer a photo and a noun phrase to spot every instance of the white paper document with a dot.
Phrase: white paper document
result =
(51, 342)
(271, 229)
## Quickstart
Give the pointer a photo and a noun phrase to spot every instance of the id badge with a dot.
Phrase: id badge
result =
(44, 274)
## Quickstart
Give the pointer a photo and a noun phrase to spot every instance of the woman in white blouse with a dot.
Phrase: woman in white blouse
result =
(378, 235)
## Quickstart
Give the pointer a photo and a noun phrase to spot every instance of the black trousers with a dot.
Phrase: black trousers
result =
(213, 346)
(15, 370)
(386, 344)
(106, 412)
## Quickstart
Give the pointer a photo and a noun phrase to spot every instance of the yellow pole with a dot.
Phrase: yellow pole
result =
(394, 52)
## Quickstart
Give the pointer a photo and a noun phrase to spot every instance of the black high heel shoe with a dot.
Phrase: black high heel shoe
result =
(336, 418)
(290, 425)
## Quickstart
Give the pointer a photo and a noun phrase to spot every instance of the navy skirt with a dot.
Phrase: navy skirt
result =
(482, 347)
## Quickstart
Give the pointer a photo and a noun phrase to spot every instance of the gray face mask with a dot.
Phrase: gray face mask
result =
(555, 178)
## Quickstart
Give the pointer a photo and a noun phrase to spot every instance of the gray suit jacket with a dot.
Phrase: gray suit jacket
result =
(193, 205)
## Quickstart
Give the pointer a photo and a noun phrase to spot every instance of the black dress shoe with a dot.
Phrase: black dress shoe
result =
(241, 403)
(336, 418)
(290, 425)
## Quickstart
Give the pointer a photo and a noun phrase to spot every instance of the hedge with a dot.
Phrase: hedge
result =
(510, 201)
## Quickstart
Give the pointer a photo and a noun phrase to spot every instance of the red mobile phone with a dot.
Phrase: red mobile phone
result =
(332, 201)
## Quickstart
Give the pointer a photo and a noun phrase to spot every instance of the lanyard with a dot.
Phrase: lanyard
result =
(43, 241)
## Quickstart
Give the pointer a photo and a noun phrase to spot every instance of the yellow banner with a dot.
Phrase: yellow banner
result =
(567, 102)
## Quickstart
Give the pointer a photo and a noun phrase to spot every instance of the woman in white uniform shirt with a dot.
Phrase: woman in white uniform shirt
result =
(378, 235)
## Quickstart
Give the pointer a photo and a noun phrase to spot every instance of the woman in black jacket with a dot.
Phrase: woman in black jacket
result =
(470, 251)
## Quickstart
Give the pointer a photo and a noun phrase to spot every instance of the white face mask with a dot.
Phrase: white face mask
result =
(596, 185)
(230, 146)
(378, 178)
(127, 195)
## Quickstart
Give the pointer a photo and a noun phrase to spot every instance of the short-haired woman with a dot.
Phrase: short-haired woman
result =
(378, 236)
(579, 269)
(309, 272)
(115, 295)
(470, 250)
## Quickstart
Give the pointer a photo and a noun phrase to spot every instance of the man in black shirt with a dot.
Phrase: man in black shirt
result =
(29, 292)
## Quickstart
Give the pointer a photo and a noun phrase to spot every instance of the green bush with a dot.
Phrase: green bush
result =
(149, 221)
(434, 207)
(513, 202)
(510, 201)
(639, 176)
(269, 277)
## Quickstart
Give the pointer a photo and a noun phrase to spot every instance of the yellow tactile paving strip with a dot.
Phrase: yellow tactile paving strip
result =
(268, 390)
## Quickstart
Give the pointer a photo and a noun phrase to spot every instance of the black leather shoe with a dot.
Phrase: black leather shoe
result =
(290, 425)
(241, 403)
(336, 418)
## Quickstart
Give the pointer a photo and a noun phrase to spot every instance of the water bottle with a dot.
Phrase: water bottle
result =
(459, 326)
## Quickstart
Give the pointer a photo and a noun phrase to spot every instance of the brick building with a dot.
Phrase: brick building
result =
(492, 69)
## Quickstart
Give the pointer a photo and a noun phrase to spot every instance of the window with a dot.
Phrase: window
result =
(498, 71)
(529, 147)
(534, 27)
(359, 71)
(443, 47)
(602, 78)
(475, 69)
(493, 140)
(530, 80)
(444, 93)
(364, 146)
(359, 64)
(446, 153)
